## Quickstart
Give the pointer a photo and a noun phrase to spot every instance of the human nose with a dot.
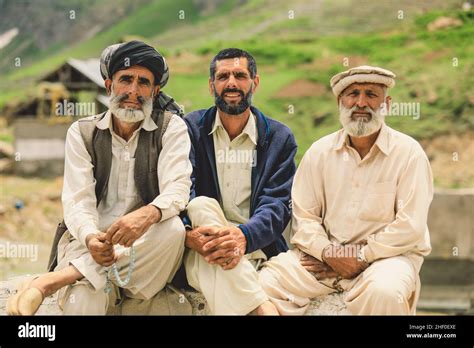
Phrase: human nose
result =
(231, 82)
(132, 89)
(362, 101)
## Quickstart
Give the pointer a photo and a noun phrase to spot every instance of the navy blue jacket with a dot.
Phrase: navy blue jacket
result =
(272, 177)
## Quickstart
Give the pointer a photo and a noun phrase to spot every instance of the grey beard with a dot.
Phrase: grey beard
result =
(130, 115)
(361, 127)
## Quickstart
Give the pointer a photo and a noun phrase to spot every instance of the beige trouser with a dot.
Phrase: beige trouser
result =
(387, 286)
(158, 254)
(235, 291)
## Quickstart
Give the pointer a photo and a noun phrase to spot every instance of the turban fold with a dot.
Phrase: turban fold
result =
(124, 55)
(361, 74)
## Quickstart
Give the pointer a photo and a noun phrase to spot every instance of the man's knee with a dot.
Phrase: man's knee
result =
(202, 202)
(206, 211)
(82, 299)
(386, 291)
(176, 231)
(170, 232)
(267, 280)
(393, 280)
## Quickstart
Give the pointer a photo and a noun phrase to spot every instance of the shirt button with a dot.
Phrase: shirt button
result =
(228, 184)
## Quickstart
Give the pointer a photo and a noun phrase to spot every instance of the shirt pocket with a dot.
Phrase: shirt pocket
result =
(243, 180)
(379, 203)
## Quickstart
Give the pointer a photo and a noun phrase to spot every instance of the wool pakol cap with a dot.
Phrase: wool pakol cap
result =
(361, 74)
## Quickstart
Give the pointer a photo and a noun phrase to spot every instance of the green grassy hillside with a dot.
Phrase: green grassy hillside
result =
(297, 56)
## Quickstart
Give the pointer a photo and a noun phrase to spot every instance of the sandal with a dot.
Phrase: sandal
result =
(26, 301)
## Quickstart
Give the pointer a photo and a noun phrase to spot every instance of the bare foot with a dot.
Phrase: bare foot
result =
(46, 283)
(49, 283)
(31, 293)
(267, 308)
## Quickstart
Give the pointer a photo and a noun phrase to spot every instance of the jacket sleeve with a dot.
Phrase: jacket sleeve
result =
(273, 210)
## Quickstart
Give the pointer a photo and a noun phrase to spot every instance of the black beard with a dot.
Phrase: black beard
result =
(236, 109)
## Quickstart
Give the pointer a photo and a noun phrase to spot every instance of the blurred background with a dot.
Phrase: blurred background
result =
(50, 77)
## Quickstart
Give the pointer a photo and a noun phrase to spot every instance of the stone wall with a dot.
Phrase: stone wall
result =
(39, 147)
(170, 301)
(451, 224)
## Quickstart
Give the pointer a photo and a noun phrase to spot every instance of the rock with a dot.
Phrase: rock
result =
(432, 98)
(6, 150)
(471, 100)
(7, 165)
(332, 304)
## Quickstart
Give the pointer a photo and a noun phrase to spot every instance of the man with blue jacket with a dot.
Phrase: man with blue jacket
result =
(243, 167)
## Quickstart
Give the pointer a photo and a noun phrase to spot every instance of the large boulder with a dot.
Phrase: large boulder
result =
(168, 301)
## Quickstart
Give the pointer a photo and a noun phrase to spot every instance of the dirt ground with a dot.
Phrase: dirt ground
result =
(301, 88)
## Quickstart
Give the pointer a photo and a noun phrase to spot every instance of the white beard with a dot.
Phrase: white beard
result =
(130, 115)
(360, 127)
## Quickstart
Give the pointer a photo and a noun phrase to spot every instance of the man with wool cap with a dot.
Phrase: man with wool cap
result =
(126, 179)
(360, 204)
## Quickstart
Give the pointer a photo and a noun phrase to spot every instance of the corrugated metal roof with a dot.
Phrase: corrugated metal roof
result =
(89, 68)
(103, 99)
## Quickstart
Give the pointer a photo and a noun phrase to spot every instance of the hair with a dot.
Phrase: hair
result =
(229, 53)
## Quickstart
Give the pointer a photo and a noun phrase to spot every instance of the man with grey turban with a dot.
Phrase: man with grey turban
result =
(119, 56)
(360, 205)
(126, 179)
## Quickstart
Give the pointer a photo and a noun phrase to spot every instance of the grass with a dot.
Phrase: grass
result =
(422, 60)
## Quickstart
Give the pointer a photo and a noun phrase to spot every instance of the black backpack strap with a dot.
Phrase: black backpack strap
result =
(166, 120)
(164, 102)
(53, 255)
